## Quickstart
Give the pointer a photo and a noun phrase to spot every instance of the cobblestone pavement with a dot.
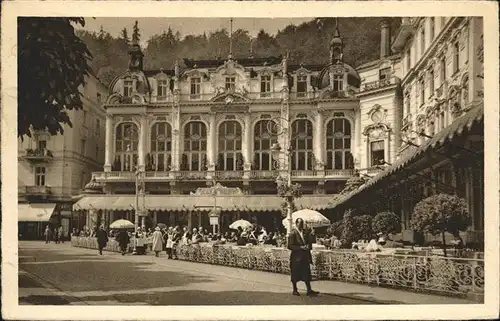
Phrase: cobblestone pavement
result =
(58, 274)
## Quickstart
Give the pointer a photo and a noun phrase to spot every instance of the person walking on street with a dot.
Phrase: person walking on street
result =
(169, 241)
(176, 237)
(102, 239)
(56, 235)
(47, 234)
(123, 240)
(157, 241)
(300, 257)
(60, 234)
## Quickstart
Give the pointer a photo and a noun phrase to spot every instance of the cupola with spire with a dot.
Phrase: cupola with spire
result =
(136, 57)
(336, 46)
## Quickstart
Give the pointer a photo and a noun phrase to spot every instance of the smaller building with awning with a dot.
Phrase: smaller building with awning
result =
(33, 218)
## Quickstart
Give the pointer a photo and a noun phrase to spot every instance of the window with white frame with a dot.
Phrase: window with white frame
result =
(195, 88)
(338, 82)
(432, 26)
(40, 173)
(161, 146)
(265, 85)
(384, 74)
(263, 140)
(338, 144)
(230, 157)
(127, 88)
(301, 85)
(230, 83)
(194, 157)
(302, 145)
(456, 57)
(377, 153)
(127, 140)
(161, 88)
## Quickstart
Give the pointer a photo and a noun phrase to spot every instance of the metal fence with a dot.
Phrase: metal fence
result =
(433, 274)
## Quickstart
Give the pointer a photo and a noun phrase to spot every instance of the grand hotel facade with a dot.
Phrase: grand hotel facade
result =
(171, 134)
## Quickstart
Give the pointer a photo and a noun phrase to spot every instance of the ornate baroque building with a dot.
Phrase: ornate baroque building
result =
(53, 169)
(171, 132)
(442, 131)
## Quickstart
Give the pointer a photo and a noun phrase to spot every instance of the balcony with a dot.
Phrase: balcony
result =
(228, 175)
(37, 191)
(114, 176)
(378, 84)
(263, 174)
(303, 174)
(190, 175)
(339, 173)
(38, 155)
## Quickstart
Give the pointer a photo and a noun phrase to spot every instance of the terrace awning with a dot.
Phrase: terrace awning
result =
(35, 212)
(204, 203)
(464, 123)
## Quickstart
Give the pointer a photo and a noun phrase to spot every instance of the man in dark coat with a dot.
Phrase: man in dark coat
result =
(102, 239)
(300, 257)
(123, 239)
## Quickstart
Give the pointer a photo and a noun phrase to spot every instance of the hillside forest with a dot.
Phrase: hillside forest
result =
(307, 43)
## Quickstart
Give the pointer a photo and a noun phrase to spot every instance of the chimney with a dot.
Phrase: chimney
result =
(385, 39)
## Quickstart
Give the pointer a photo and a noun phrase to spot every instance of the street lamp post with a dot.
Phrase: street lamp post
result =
(138, 186)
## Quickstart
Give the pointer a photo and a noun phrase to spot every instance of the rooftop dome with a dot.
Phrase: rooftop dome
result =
(353, 78)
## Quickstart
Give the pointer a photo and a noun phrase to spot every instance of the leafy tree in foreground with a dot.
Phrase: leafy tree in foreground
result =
(386, 223)
(439, 214)
(363, 226)
(52, 63)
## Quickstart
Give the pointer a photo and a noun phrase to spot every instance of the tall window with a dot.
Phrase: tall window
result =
(230, 157)
(377, 153)
(422, 41)
(338, 144)
(230, 83)
(162, 89)
(40, 176)
(195, 147)
(301, 86)
(302, 145)
(41, 144)
(456, 57)
(384, 73)
(98, 128)
(442, 69)
(338, 83)
(422, 91)
(161, 146)
(265, 86)
(433, 27)
(127, 139)
(407, 105)
(431, 81)
(263, 141)
(442, 120)
(127, 88)
(195, 88)
(83, 147)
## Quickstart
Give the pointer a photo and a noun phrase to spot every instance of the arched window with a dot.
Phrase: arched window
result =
(338, 144)
(263, 141)
(161, 147)
(127, 139)
(302, 145)
(230, 157)
(195, 147)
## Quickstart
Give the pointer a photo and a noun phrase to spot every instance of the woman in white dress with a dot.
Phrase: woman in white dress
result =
(170, 244)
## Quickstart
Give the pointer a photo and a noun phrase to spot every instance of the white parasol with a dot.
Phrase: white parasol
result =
(122, 224)
(240, 223)
(310, 217)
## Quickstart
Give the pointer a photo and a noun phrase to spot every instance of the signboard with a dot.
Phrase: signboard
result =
(214, 220)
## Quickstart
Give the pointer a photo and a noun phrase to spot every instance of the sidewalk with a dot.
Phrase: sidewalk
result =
(341, 289)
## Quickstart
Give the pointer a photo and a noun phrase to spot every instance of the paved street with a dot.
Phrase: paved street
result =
(59, 274)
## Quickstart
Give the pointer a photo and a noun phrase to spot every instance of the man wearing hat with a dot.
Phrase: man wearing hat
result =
(157, 241)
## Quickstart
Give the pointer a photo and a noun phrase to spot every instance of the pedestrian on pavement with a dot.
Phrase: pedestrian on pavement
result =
(60, 234)
(169, 241)
(102, 239)
(56, 235)
(176, 237)
(157, 241)
(123, 240)
(48, 234)
(300, 257)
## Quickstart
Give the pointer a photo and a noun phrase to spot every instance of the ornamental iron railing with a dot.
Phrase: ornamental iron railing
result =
(434, 274)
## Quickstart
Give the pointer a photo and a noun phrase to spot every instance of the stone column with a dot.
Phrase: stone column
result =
(387, 154)
(428, 39)
(142, 143)
(286, 127)
(475, 68)
(211, 145)
(109, 148)
(437, 26)
(357, 140)
(247, 139)
(318, 139)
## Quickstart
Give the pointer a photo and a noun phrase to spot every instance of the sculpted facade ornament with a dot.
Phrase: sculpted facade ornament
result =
(376, 131)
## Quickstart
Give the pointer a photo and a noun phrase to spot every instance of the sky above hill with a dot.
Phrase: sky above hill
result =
(186, 26)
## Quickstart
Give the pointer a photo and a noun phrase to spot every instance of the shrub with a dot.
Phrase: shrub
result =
(349, 230)
(386, 223)
(441, 213)
(336, 229)
(363, 227)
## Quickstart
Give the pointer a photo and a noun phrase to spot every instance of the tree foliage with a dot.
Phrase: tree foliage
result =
(336, 228)
(386, 223)
(52, 63)
(136, 35)
(363, 227)
(349, 234)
